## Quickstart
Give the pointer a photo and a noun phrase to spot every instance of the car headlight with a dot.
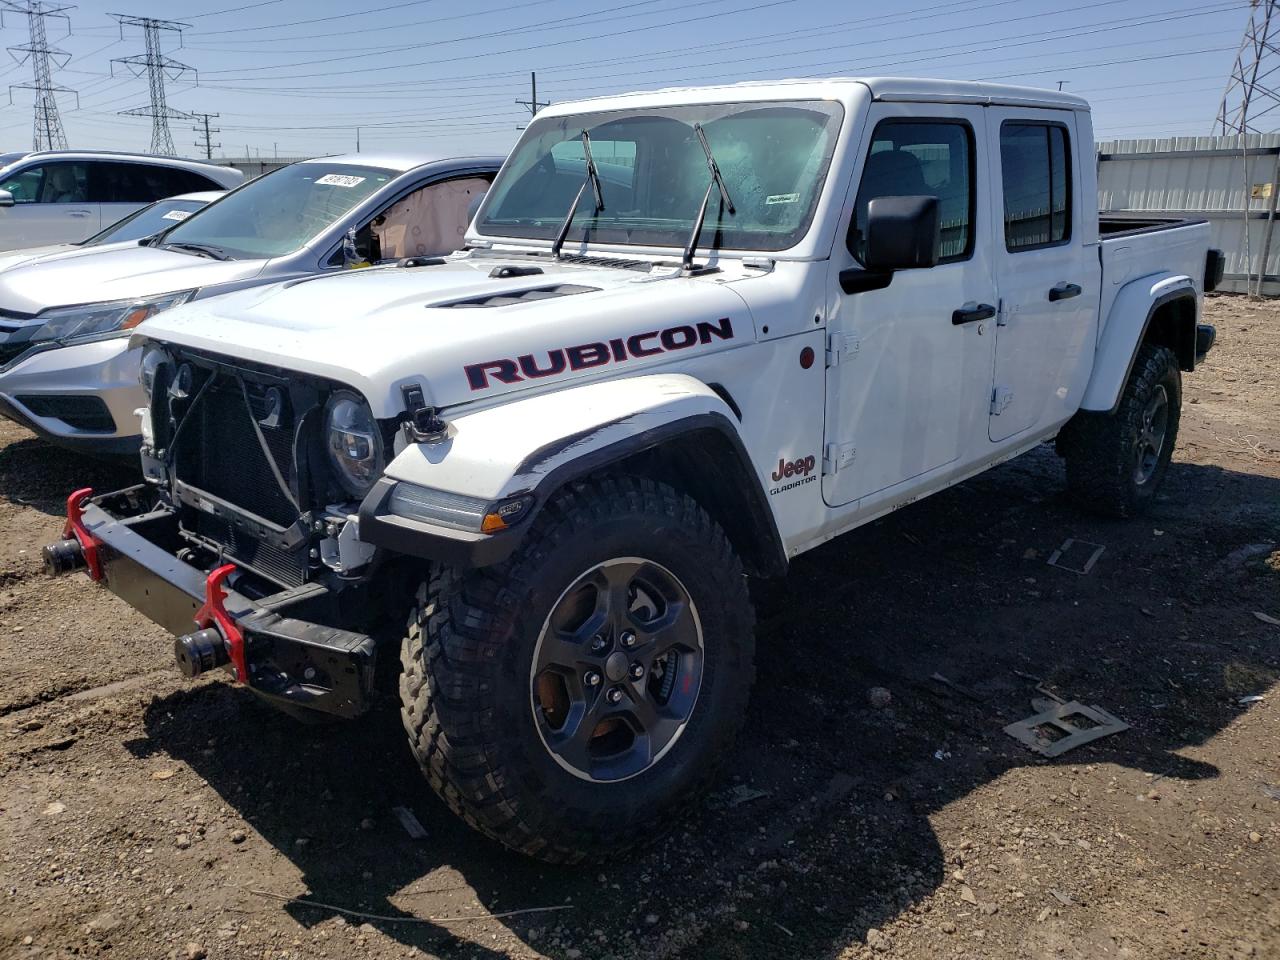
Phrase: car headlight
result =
(88, 320)
(354, 442)
(153, 358)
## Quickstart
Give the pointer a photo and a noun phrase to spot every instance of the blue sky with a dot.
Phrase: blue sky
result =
(298, 76)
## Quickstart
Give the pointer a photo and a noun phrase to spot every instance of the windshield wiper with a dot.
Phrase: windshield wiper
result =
(217, 253)
(593, 178)
(716, 181)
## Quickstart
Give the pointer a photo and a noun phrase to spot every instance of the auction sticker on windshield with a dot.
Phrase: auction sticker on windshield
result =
(176, 215)
(340, 180)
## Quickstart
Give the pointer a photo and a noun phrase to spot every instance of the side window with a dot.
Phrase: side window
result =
(910, 158)
(25, 185)
(428, 222)
(51, 183)
(184, 181)
(111, 182)
(1035, 160)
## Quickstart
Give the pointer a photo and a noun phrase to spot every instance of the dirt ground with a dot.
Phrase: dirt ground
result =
(145, 817)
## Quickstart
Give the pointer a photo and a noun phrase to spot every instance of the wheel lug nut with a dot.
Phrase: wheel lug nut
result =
(614, 695)
(628, 638)
(637, 671)
(592, 679)
(597, 643)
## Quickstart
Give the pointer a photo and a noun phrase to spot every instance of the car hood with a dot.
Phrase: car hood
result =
(11, 258)
(461, 329)
(112, 272)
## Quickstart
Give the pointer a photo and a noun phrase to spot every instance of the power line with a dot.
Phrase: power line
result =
(158, 68)
(47, 132)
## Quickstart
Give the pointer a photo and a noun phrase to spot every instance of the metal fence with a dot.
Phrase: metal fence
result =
(1209, 178)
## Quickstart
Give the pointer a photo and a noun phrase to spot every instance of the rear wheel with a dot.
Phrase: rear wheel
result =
(568, 701)
(1116, 462)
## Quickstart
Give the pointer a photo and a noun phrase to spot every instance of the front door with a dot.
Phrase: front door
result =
(1047, 270)
(910, 364)
(51, 205)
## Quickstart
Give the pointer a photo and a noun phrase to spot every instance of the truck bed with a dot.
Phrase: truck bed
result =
(1134, 247)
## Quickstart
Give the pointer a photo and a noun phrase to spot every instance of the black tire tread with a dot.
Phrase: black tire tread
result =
(1096, 446)
(455, 630)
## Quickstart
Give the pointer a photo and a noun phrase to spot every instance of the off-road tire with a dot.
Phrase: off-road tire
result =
(1101, 449)
(465, 691)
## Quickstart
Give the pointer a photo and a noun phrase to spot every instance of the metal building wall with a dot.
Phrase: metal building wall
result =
(1204, 178)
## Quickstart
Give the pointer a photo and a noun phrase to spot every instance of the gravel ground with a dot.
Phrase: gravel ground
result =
(145, 817)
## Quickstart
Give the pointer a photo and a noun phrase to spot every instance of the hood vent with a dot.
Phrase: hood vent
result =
(510, 298)
(613, 263)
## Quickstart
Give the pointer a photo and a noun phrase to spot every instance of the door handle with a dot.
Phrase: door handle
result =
(968, 314)
(78, 213)
(1064, 291)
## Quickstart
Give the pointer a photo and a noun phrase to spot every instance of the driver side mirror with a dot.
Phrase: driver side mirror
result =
(903, 233)
(6, 198)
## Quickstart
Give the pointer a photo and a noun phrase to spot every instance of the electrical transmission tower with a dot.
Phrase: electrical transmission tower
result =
(202, 127)
(48, 132)
(158, 68)
(1251, 90)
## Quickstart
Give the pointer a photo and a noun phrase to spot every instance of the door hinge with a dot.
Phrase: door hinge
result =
(1001, 397)
(842, 346)
(837, 455)
(1002, 313)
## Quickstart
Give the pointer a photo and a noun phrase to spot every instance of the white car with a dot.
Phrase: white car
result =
(138, 225)
(789, 309)
(66, 370)
(64, 196)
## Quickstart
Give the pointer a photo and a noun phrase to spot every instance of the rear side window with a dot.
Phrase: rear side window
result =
(1035, 161)
(116, 182)
(912, 158)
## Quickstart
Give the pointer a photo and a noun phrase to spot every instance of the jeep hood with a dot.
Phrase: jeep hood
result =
(112, 272)
(460, 329)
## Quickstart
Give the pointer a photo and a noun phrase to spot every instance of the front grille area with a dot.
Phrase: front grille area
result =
(217, 450)
(89, 414)
(288, 569)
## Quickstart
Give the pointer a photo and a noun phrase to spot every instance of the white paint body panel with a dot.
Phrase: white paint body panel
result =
(914, 403)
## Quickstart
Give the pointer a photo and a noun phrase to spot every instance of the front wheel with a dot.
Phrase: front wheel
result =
(567, 701)
(1116, 461)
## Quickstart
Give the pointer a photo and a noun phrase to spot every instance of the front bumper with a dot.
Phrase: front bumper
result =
(128, 542)
(36, 385)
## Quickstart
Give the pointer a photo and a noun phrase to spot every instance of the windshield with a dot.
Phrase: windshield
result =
(279, 213)
(653, 174)
(146, 222)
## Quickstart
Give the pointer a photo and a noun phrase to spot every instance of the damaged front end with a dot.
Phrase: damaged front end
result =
(244, 540)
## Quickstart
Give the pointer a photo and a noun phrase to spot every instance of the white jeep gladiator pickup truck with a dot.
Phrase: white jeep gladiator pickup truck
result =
(694, 333)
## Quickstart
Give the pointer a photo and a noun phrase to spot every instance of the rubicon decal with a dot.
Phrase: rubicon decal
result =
(531, 366)
(800, 468)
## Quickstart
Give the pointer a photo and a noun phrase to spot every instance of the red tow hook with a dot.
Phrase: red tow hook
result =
(75, 527)
(214, 614)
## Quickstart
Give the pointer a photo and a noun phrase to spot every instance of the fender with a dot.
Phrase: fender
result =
(537, 445)
(1126, 327)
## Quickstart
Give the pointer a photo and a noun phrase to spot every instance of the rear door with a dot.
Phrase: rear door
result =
(1047, 270)
(909, 365)
(51, 205)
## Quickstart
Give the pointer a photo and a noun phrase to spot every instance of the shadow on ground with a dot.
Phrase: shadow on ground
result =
(1159, 633)
(35, 474)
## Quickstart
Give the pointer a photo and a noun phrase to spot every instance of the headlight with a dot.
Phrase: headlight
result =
(87, 320)
(354, 442)
(456, 510)
(153, 358)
